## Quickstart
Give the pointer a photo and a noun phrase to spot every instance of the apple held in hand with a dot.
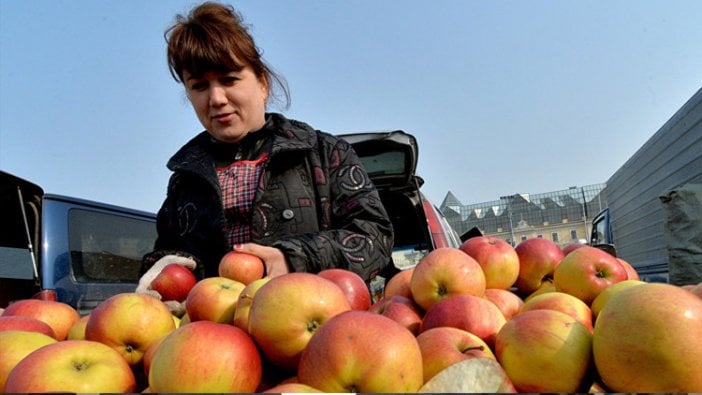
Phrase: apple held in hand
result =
(474, 314)
(359, 351)
(498, 259)
(444, 345)
(545, 351)
(214, 299)
(205, 356)
(647, 339)
(174, 282)
(446, 272)
(77, 366)
(538, 258)
(353, 286)
(58, 315)
(129, 323)
(241, 266)
(288, 310)
(586, 272)
(15, 345)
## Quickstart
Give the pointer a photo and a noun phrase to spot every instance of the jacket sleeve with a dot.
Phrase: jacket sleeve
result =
(356, 232)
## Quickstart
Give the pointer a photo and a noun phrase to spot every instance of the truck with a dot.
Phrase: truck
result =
(636, 224)
(68, 249)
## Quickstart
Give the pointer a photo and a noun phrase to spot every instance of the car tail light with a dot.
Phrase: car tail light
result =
(45, 294)
(437, 232)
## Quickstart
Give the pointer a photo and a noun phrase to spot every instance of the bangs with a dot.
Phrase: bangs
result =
(201, 51)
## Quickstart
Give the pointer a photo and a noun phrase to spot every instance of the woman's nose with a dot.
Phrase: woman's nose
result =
(218, 96)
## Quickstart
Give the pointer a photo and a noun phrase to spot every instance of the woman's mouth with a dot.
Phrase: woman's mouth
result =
(223, 118)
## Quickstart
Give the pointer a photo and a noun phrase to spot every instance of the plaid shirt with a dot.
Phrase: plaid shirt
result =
(238, 183)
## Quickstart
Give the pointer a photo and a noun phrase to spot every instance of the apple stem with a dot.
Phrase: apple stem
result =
(468, 349)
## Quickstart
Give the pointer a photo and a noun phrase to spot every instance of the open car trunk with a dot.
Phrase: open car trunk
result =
(20, 210)
(390, 158)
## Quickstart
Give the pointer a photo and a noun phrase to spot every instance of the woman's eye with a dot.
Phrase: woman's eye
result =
(229, 80)
(198, 86)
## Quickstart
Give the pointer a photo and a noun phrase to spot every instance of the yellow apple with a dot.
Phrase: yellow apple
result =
(213, 299)
(15, 345)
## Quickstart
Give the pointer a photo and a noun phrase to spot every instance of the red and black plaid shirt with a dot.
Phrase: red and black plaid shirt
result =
(238, 182)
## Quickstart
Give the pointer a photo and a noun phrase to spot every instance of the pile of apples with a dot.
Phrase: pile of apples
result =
(485, 317)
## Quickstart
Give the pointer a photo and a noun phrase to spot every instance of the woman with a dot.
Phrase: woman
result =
(254, 181)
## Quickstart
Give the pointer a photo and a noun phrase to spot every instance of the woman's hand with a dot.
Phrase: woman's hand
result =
(273, 259)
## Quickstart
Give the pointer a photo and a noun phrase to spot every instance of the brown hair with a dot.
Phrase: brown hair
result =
(213, 37)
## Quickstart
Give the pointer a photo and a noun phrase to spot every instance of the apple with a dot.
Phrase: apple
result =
(399, 284)
(586, 272)
(128, 323)
(570, 247)
(174, 282)
(473, 375)
(78, 366)
(497, 258)
(632, 274)
(602, 299)
(359, 351)
(213, 299)
(58, 315)
(17, 344)
(647, 339)
(243, 304)
(22, 323)
(149, 355)
(538, 258)
(288, 310)
(353, 286)
(563, 302)
(697, 289)
(401, 310)
(290, 388)
(77, 331)
(474, 314)
(444, 345)
(545, 351)
(205, 356)
(507, 301)
(241, 266)
(446, 272)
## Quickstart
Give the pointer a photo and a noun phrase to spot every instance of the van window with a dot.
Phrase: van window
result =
(108, 247)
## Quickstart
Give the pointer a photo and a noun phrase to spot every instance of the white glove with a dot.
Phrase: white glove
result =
(144, 286)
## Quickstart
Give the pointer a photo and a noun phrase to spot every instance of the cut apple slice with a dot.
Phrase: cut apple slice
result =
(470, 375)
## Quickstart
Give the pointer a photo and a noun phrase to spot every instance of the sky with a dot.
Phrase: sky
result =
(503, 96)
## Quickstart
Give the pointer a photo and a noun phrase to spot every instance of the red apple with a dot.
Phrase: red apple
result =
(353, 286)
(570, 247)
(23, 323)
(604, 296)
(174, 282)
(446, 272)
(563, 302)
(214, 299)
(538, 258)
(129, 323)
(647, 339)
(243, 304)
(205, 356)
(58, 315)
(399, 284)
(632, 274)
(545, 351)
(474, 314)
(507, 301)
(498, 259)
(347, 355)
(15, 345)
(444, 345)
(401, 310)
(473, 375)
(78, 366)
(288, 310)
(241, 266)
(586, 272)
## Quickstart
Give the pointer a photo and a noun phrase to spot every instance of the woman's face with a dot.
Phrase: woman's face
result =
(229, 105)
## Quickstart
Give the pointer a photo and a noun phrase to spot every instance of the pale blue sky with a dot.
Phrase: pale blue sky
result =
(503, 96)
